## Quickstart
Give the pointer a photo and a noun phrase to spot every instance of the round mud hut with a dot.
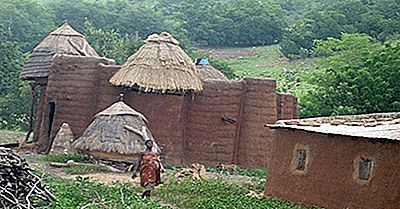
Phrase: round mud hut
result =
(207, 71)
(159, 66)
(64, 40)
(116, 133)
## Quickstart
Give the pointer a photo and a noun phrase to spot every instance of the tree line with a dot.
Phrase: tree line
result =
(355, 75)
(207, 22)
(355, 40)
(379, 19)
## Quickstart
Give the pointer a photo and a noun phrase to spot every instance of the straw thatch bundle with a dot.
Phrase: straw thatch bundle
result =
(159, 66)
(208, 72)
(116, 133)
(63, 139)
(64, 40)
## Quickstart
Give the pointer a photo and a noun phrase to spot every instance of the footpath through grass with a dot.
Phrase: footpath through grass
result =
(188, 194)
(213, 193)
(83, 193)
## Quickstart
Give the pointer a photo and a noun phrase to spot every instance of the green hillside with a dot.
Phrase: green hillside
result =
(265, 62)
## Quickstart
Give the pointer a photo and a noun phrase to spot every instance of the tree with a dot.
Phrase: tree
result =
(14, 94)
(26, 21)
(355, 76)
(379, 19)
(111, 44)
(122, 16)
(228, 23)
(255, 22)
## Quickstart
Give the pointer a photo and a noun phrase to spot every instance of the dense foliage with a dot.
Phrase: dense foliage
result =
(14, 94)
(379, 18)
(356, 75)
(209, 22)
(116, 29)
(112, 44)
(227, 23)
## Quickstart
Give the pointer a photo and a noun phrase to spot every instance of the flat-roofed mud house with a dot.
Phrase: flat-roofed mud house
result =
(337, 162)
(193, 120)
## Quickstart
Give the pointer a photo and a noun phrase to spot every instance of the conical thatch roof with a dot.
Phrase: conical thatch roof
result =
(208, 72)
(118, 131)
(159, 66)
(64, 40)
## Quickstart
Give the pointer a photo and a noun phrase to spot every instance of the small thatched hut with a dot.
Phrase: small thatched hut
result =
(64, 40)
(63, 139)
(159, 66)
(207, 71)
(116, 133)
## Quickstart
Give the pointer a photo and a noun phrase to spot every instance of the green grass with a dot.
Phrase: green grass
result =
(83, 192)
(270, 63)
(11, 136)
(59, 158)
(244, 172)
(86, 169)
(218, 194)
(63, 158)
(186, 193)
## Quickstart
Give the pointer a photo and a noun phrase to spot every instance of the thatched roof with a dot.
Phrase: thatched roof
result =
(118, 129)
(208, 72)
(64, 40)
(63, 139)
(159, 66)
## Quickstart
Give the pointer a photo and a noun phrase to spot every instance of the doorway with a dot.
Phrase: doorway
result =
(52, 110)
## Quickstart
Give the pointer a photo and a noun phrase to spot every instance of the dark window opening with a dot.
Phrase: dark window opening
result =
(301, 159)
(365, 167)
(52, 109)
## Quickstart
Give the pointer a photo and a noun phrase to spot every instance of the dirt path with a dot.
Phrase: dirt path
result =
(110, 178)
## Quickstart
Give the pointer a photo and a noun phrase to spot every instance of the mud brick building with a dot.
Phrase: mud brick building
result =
(337, 162)
(224, 122)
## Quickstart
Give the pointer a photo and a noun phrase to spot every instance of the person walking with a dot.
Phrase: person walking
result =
(150, 167)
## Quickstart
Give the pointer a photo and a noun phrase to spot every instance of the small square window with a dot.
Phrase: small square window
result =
(301, 159)
(364, 169)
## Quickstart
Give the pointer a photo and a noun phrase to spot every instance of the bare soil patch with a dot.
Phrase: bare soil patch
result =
(230, 54)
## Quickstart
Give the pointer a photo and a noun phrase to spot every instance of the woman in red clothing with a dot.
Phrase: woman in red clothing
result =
(150, 167)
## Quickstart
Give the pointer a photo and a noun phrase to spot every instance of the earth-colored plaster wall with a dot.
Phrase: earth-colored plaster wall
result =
(224, 123)
(72, 87)
(287, 106)
(212, 123)
(330, 179)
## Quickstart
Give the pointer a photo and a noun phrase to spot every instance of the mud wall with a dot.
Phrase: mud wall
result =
(39, 113)
(330, 179)
(72, 86)
(259, 107)
(224, 123)
(286, 106)
(213, 118)
(164, 113)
